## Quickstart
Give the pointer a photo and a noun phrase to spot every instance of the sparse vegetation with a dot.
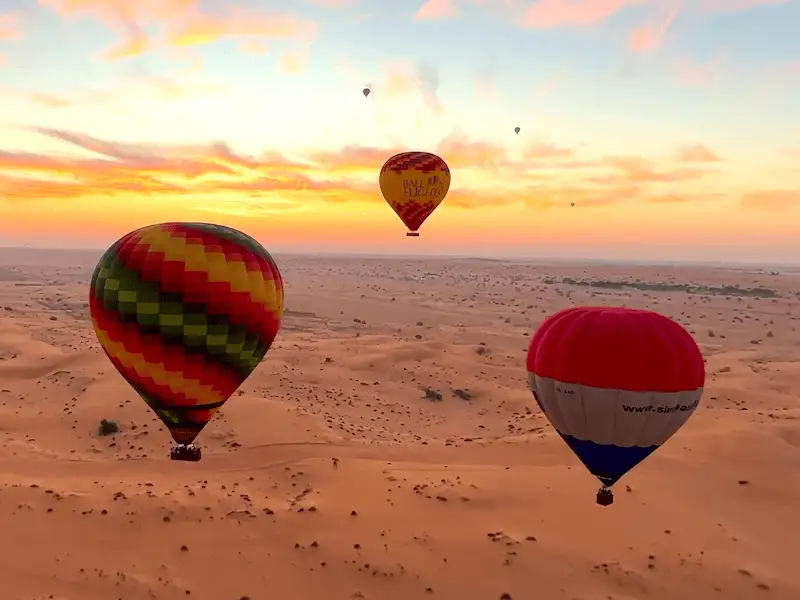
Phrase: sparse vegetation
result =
(107, 427)
(463, 394)
(432, 394)
(609, 284)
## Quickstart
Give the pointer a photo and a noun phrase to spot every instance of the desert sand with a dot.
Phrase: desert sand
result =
(388, 448)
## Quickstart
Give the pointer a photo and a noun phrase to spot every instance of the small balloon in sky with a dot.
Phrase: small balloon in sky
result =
(414, 184)
(366, 92)
(572, 204)
(516, 130)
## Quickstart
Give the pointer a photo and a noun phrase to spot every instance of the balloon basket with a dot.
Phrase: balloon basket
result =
(412, 234)
(186, 452)
(605, 496)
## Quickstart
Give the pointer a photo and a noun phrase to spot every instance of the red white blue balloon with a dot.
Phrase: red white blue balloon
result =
(615, 383)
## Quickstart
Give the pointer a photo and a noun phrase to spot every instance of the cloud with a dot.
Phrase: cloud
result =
(147, 25)
(651, 35)
(254, 46)
(564, 13)
(676, 198)
(334, 4)
(49, 100)
(294, 62)
(9, 27)
(179, 85)
(436, 9)
(401, 80)
(637, 169)
(428, 76)
(772, 200)
(214, 176)
(581, 13)
(697, 153)
(736, 5)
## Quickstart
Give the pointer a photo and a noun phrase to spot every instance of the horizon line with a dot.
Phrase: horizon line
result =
(502, 259)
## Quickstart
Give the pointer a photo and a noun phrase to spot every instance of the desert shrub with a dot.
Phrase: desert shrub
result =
(107, 427)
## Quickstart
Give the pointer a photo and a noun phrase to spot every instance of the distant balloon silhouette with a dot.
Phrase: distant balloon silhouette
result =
(516, 130)
(366, 92)
(572, 204)
(615, 383)
(185, 312)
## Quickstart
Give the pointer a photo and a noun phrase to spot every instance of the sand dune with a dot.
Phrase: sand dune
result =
(388, 448)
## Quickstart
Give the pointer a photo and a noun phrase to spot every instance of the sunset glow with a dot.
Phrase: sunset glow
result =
(672, 126)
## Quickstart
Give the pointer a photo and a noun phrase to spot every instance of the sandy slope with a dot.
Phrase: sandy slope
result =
(457, 499)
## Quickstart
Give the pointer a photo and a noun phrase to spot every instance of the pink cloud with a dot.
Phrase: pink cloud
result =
(736, 5)
(436, 9)
(335, 4)
(559, 13)
(180, 23)
(9, 27)
(651, 35)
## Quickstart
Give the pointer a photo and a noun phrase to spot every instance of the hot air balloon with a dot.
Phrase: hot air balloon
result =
(516, 130)
(615, 383)
(185, 312)
(365, 91)
(414, 184)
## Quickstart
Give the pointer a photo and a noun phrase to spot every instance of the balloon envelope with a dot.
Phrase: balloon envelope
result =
(365, 91)
(414, 184)
(516, 129)
(185, 312)
(615, 383)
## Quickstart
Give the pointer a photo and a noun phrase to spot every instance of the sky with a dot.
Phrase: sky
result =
(673, 126)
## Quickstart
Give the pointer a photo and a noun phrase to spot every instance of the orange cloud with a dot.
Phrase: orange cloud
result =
(651, 35)
(772, 200)
(254, 46)
(436, 9)
(637, 169)
(178, 23)
(560, 13)
(49, 100)
(697, 153)
(199, 28)
(215, 178)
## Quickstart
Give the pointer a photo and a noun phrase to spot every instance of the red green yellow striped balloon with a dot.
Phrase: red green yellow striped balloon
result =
(185, 312)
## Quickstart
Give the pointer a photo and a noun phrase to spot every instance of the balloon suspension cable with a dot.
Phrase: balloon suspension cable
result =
(605, 496)
(412, 234)
(186, 452)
